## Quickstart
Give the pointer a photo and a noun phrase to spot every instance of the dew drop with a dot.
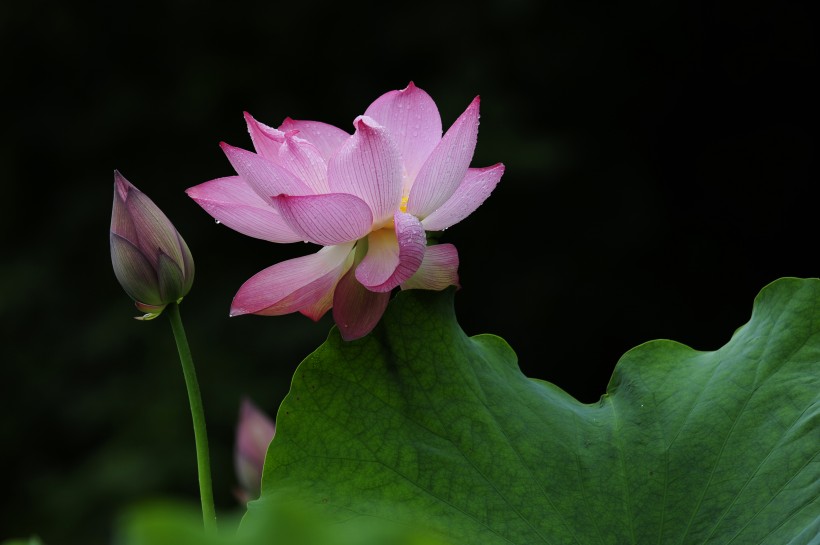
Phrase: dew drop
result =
(217, 222)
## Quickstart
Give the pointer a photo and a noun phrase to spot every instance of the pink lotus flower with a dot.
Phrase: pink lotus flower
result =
(367, 198)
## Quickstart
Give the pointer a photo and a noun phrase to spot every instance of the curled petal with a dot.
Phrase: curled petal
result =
(368, 165)
(292, 285)
(329, 219)
(356, 309)
(305, 161)
(266, 140)
(438, 270)
(393, 256)
(264, 177)
(413, 122)
(471, 193)
(233, 203)
(326, 138)
(446, 166)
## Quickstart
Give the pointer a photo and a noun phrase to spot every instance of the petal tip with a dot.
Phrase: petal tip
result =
(122, 185)
(365, 122)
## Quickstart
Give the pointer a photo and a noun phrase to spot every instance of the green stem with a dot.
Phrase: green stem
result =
(198, 414)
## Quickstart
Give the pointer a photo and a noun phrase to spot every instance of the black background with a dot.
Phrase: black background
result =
(659, 161)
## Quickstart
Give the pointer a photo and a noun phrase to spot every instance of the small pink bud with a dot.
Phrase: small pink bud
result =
(254, 433)
(151, 260)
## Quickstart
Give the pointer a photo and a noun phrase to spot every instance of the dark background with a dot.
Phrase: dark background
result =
(659, 159)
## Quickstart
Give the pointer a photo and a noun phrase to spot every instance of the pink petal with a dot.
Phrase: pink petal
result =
(292, 285)
(254, 432)
(318, 308)
(133, 270)
(264, 177)
(473, 191)
(233, 203)
(304, 161)
(154, 231)
(447, 165)
(368, 165)
(438, 270)
(266, 140)
(121, 222)
(329, 219)
(357, 310)
(413, 122)
(326, 138)
(291, 152)
(393, 256)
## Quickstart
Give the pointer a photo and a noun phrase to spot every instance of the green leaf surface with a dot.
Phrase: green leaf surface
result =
(420, 424)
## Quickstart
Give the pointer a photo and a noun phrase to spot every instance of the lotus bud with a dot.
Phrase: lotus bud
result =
(254, 433)
(151, 260)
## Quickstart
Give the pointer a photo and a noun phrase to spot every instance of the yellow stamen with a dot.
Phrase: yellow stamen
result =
(403, 205)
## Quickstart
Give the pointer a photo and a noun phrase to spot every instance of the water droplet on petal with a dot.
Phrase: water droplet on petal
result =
(217, 222)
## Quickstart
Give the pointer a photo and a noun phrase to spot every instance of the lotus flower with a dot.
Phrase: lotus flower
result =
(368, 198)
(150, 259)
(254, 432)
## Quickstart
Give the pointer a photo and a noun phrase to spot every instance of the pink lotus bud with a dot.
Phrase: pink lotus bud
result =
(253, 435)
(152, 262)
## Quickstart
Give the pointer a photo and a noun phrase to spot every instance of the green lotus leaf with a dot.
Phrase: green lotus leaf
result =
(419, 425)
